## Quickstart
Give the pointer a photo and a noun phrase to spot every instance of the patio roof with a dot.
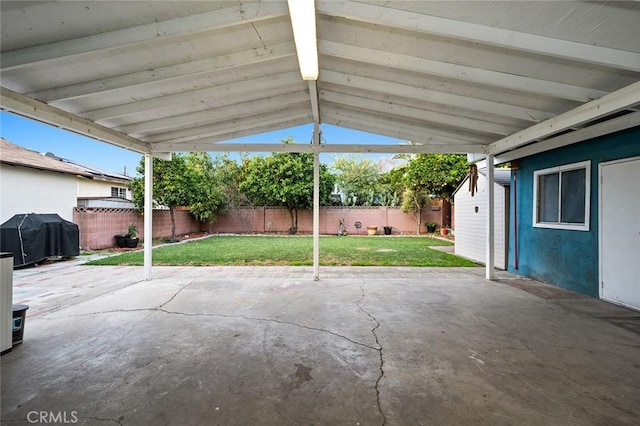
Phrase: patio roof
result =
(469, 77)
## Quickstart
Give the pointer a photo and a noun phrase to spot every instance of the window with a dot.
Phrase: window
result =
(561, 197)
(118, 192)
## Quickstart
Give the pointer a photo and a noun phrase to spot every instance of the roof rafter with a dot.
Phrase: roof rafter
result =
(213, 115)
(445, 27)
(460, 72)
(244, 127)
(155, 31)
(246, 122)
(391, 127)
(449, 120)
(450, 99)
(168, 73)
(241, 90)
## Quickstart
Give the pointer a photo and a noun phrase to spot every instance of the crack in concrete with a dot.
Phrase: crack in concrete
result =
(379, 349)
(323, 330)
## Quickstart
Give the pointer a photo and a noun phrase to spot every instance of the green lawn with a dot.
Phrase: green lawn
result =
(284, 250)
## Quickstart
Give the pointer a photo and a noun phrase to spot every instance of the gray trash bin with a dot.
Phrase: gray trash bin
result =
(19, 318)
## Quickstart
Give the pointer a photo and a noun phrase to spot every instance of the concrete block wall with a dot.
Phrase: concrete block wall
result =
(99, 225)
(278, 220)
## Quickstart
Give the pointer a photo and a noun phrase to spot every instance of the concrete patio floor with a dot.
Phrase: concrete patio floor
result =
(362, 346)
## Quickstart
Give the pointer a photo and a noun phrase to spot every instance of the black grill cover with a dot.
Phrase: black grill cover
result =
(34, 237)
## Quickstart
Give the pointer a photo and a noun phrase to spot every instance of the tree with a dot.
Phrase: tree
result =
(285, 179)
(413, 200)
(357, 179)
(436, 174)
(177, 182)
(229, 175)
(207, 199)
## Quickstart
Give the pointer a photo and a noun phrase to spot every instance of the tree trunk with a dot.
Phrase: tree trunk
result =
(293, 212)
(417, 216)
(173, 225)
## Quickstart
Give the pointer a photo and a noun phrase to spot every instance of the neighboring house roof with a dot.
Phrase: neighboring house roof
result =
(97, 174)
(500, 176)
(18, 156)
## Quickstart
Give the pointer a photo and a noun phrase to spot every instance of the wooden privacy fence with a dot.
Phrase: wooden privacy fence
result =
(98, 226)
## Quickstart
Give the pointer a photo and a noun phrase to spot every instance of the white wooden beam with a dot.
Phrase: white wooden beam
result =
(154, 31)
(22, 105)
(443, 98)
(243, 147)
(148, 217)
(610, 126)
(315, 108)
(166, 74)
(609, 104)
(397, 127)
(460, 72)
(223, 95)
(326, 148)
(316, 201)
(245, 121)
(482, 34)
(388, 107)
(432, 147)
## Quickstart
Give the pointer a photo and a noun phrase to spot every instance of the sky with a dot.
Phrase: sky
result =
(45, 138)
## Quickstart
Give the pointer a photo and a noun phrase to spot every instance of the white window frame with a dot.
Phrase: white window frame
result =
(587, 198)
(120, 190)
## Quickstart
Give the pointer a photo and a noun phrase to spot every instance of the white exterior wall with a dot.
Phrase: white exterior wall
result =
(25, 190)
(470, 228)
(97, 188)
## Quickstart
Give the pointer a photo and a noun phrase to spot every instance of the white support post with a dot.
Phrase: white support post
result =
(490, 255)
(316, 203)
(148, 214)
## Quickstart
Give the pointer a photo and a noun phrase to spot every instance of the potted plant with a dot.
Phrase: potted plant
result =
(387, 230)
(431, 226)
(132, 240)
(372, 230)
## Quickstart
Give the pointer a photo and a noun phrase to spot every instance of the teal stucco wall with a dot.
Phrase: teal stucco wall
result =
(566, 258)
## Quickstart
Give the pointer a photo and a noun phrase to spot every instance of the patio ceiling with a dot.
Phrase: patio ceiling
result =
(499, 78)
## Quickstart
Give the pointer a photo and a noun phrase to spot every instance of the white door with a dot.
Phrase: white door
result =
(620, 232)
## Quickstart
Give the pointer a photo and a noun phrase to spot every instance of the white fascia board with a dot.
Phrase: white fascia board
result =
(446, 119)
(228, 93)
(166, 74)
(476, 33)
(460, 72)
(27, 107)
(613, 102)
(179, 27)
(443, 98)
